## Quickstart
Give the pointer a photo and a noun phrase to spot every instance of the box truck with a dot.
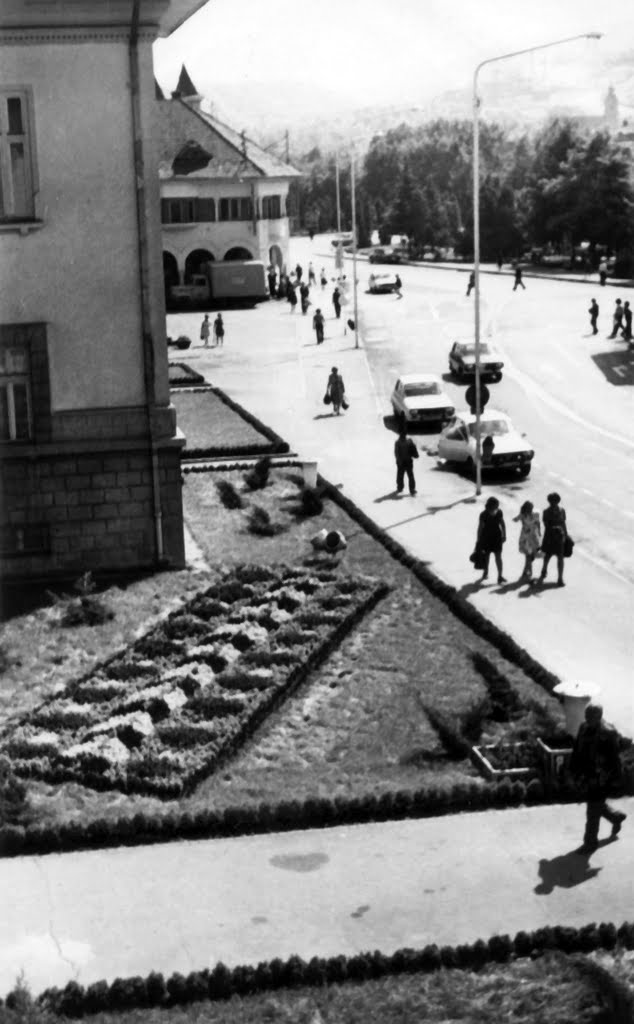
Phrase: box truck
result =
(222, 283)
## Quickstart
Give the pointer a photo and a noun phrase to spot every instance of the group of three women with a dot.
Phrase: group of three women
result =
(492, 535)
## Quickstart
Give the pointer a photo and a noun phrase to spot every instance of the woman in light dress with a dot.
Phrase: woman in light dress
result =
(530, 537)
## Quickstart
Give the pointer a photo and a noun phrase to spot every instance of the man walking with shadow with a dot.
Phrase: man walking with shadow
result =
(596, 765)
(405, 452)
(626, 333)
(594, 316)
(617, 319)
(518, 278)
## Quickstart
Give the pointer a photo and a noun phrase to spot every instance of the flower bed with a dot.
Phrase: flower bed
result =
(513, 761)
(182, 376)
(158, 717)
(216, 426)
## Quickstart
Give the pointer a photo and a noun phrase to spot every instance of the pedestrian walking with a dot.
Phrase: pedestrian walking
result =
(291, 295)
(555, 534)
(336, 390)
(594, 316)
(603, 272)
(617, 319)
(219, 330)
(596, 764)
(405, 451)
(336, 301)
(318, 325)
(311, 275)
(205, 329)
(323, 280)
(491, 536)
(626, 332)
(272, 282)
(530, 537)
(304, 295)
(298, 272)
(518, 278)
(471, 284)
(398, 286)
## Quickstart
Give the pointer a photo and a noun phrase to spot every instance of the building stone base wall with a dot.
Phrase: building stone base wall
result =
(69, 512)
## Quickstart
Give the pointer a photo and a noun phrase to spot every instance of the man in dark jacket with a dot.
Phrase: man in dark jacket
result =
(594, 315)
(405, 452)
(617, 319)
(596, 765)
(627, 322)
(336, 301)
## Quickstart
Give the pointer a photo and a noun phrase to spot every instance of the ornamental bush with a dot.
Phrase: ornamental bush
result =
(228, 494)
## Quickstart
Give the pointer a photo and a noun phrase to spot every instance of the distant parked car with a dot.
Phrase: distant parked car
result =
(419, 398)
(345, 239)
(383, 254)
(457, 443)
(382, 283)
(462, 361)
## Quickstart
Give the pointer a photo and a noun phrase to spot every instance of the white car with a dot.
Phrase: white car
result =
(382, 282)
(462, 361)
(419, 398)
(457, 443)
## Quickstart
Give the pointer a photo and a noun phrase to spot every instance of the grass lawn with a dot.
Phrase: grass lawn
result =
(551, 990)
(208, 423)
(357, 725)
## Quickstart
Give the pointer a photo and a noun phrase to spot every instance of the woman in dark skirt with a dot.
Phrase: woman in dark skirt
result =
(555, 533)
(491, 536)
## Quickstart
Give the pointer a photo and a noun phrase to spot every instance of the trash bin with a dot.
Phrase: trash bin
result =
(575, 698)
(310, 474)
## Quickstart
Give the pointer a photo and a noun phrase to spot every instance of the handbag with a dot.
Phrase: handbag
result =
(327, 398)
(568, 546)
(344, 404)
(478, 558)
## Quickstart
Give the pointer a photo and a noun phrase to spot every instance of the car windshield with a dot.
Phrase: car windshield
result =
(494, 427)
(469, 350)
(420, 390)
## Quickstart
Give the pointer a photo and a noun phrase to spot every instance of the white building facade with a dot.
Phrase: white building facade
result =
(222, 196)
(89, 450)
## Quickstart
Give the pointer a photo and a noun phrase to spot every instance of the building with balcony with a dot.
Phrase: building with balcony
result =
(89, 449)
(223, 197)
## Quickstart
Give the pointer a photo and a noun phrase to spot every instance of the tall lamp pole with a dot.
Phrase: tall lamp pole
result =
(476, 219)
(354, 246)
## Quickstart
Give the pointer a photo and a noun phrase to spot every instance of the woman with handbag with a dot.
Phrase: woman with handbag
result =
(555, 537)
(530, 537)
(336, 390)
(491, 537)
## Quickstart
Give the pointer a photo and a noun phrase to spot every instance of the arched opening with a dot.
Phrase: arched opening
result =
(170, 271)
(275, 256)
(194, 262)
(238, 253)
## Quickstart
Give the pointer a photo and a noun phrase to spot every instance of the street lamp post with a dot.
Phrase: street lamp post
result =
(354, 247)
(476, 220)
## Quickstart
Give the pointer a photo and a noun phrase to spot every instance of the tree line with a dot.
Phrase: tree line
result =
(557, 187)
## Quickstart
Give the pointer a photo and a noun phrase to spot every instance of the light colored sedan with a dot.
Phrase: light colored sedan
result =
(382, 282)
(419, 398)
(509, 450)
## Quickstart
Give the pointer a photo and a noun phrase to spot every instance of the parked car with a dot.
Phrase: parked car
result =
(457, 443)
(382, 282)
(462, 361)
(384, 255)
(345, 239)
(419, 398)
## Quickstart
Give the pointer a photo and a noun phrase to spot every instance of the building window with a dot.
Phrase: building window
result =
(272, 207)
(16, 156)
(236, 209)
(187, 211)
(15, 393)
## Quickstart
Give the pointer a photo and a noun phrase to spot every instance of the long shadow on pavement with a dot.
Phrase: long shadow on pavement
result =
(566, 871)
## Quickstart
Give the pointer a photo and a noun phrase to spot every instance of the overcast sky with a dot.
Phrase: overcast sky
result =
(400, 51)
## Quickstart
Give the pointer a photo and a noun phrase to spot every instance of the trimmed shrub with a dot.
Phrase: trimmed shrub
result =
(451, 738)
(228, 494)
(177, 989)
(71, 1000)
(259, 523)
(311, 502)
(316, 971)
(429, 958)
(156, 989)
(220, 982)
(504, 701)
(336, 970)
(500, 948)
(258, 476)
(97, 998)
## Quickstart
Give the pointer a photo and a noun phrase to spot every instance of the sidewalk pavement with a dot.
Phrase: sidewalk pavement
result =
(185, 906)
(581, 633)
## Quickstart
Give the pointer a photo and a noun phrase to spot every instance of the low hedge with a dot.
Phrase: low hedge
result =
(279, 444)
(310, 813)
(222, 982)
(457, 604)
(188, 379)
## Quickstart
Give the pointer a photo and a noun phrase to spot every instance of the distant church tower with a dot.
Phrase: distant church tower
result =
(611, 110)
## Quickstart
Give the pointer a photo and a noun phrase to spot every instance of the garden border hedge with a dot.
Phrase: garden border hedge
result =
(195, 380)
(222, 982)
